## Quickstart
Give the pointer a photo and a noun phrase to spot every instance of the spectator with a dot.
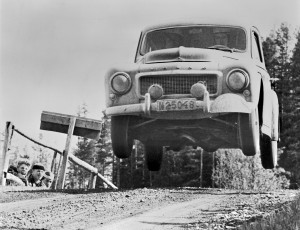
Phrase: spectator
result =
(13, 170)
(35, 178)
(23, 167)
(48, 179)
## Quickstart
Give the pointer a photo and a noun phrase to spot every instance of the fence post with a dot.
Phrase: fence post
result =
(201, 167)
(213, 170)
(4, 157)
(135, 154)
(53, 161)
(118, 171)
(131, 170)
(92, 182)
(57, 171)
(62, 174)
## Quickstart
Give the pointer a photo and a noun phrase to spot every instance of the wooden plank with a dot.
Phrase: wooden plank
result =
(62, 175)
(4, 156)
(82, 163)
(65, 119)
(84, 127)
(107, 181)
(90, 168)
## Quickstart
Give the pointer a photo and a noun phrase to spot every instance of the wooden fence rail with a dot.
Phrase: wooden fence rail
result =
(75, 160)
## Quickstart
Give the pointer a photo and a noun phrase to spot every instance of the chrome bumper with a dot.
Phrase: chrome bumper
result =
(225, 103)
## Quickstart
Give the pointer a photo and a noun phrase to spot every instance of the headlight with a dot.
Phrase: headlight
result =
(120, 83)
(237, 80)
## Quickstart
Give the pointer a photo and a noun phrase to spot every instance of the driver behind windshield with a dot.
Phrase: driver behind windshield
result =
(221, 37)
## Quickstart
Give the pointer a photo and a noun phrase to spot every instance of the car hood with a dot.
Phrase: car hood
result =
(183, 54)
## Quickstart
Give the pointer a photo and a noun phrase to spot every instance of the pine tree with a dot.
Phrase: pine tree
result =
(40, 154)
(104, 154)
(86, 151)
(277, 45)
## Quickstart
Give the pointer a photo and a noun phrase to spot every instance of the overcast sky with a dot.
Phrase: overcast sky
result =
(54, 53)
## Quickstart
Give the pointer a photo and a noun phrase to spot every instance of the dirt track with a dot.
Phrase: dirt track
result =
(181, 208)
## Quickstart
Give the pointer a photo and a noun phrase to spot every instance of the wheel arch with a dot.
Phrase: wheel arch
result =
(265, 107)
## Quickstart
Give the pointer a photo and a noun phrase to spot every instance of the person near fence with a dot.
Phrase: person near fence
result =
(37, 173)
(23, 167)
(14, 171)
(48, 179)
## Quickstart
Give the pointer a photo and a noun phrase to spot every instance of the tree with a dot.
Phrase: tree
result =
(97, 153)
(40, 154)
(285, 67)
(86, 151)
(291, 136)
(104, 153)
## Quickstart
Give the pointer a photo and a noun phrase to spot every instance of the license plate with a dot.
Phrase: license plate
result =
(176, 104)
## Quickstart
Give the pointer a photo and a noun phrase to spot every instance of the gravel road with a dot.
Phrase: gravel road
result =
(177, 208)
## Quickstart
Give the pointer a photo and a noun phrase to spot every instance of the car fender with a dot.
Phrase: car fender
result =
(231, 103)
(113, 99)
(267, 110)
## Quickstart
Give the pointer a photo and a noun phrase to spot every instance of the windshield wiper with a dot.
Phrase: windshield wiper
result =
(224, 48)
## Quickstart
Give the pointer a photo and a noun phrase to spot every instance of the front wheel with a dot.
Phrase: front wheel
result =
(249, 132)
(153, 156)
(122, 143)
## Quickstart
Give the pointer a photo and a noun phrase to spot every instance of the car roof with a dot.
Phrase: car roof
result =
(245, 26)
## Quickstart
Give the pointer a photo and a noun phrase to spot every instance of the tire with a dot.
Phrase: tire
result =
(153, 154)
(122, 143)
(249, 133)
(274, 153)
(210, 149)
(268, 152)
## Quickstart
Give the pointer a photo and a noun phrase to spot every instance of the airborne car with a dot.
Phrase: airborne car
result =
(195, 85)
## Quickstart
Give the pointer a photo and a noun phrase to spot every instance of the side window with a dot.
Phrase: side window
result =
(256, 54)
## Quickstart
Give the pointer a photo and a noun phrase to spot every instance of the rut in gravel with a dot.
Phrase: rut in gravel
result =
(175, 216)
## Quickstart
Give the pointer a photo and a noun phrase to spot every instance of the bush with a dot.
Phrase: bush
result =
(287, 218)
(233, 170)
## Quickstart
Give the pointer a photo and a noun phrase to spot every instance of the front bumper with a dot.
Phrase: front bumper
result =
(225, 103)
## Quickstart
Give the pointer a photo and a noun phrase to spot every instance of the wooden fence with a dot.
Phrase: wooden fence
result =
(64, 157)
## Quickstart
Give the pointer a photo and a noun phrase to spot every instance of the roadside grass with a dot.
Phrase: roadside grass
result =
(285, 218)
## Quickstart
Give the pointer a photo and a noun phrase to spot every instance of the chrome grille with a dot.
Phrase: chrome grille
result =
(178, 84)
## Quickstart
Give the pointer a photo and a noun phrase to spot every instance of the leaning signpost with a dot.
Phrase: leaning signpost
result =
(3, 156)
(79, 126)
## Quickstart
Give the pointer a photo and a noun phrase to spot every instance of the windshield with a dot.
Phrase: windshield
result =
(195, 37)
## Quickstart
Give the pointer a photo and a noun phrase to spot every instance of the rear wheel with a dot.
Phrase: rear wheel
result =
(209, 148)
(249, 132)
(153, 156)
(122, 143)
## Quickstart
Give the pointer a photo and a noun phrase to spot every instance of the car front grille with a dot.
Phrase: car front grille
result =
(178, 84)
